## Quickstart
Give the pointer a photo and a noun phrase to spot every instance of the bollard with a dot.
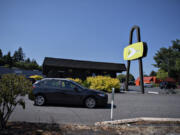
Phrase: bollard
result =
(112, 103)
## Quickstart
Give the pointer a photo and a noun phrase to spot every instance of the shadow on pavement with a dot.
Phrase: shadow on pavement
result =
(108, 106)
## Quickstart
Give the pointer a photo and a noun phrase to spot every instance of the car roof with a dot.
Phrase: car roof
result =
(56, 79)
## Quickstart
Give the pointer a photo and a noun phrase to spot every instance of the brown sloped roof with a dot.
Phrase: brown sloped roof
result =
(79, 64)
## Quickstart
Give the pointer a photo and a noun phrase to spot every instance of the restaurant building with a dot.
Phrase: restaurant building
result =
(68, 68)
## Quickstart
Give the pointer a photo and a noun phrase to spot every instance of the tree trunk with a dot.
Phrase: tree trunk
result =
(2, 124)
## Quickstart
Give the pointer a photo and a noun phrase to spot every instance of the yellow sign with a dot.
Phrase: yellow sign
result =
(135, 51)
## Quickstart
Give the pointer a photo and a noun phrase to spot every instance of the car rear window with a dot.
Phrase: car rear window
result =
(50, 83)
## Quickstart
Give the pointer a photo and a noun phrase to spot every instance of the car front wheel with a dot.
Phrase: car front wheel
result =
(39, 100)
(90, 102)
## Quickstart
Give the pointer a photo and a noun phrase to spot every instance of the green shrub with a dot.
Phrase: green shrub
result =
(36, 77)
(104, 83)
(86, 84)
(12, 87)
(77, 80)
(31, 95)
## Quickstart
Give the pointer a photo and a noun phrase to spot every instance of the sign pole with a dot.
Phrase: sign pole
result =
(141, 75)
(127, 75)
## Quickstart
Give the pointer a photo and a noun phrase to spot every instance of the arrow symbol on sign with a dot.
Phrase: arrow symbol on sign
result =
(131, 52)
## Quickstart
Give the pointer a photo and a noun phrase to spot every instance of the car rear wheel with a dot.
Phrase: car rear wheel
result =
(39, 100)
(90, 102)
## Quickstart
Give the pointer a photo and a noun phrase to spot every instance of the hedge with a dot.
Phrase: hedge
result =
(77, 80)
(103, 83)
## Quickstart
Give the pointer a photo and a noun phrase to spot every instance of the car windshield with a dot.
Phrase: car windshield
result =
(82, 87)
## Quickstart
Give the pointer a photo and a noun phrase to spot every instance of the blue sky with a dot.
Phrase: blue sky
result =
(95, 30)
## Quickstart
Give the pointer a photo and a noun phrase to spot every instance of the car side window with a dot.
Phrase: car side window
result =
(67, 85)
(50, 84)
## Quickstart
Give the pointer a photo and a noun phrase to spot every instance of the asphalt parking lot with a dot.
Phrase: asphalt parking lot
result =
(127, 105)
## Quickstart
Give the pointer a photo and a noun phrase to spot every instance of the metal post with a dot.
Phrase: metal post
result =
(127, 75)
(141, 75)
(112, 103)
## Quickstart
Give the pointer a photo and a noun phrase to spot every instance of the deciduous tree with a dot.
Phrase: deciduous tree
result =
(122, 77)
(167, 59)
(161, 74)
(12, 87)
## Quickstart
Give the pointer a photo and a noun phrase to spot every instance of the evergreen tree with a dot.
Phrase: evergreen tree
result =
(19, 55)
(34, 64)
(28, 60)
(153, 73)
(1, 54)
(16, 56)
(8, 59)
(1, 58)
(18, 60)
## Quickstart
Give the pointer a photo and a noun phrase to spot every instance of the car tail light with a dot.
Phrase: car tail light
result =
(34, 86)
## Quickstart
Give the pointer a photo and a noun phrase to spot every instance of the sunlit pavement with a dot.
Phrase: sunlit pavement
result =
(127, 105)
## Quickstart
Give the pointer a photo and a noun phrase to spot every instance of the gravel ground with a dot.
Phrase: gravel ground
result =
(22, 128)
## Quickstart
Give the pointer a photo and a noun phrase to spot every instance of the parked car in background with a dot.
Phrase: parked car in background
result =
(64, 91)
(148, 85)
(167, 85)
(131, 83)
(32, 80)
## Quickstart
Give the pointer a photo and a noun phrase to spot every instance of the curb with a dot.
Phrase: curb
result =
(127, 121)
